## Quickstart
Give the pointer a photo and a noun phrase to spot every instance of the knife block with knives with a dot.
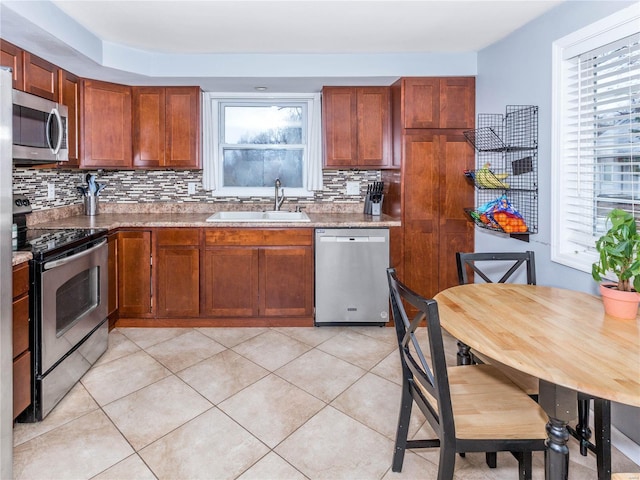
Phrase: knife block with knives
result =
(373, 199)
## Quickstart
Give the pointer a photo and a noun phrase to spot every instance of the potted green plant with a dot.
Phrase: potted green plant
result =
(619, 252)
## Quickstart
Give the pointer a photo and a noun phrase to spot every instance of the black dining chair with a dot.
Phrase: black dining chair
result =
(498, 267)
(473, 408)
(501, 267)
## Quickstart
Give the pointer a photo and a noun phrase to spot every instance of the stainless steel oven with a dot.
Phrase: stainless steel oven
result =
(72, 294)
(68, 310)
(69, 321)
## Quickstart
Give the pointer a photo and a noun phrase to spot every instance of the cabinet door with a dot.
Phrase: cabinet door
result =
(106, 125)
(112, 304)
(134, 274)
(70, 97)
(436, 193)
(12, 56)
(21, 383)
(231, 282)
(182, 141)
(286, 281)
(178, 272)
(21, 354)
(40, 77)
(20, 325)
(455, 194)
(435, 102)
(148, 126)
(178, 279)
(340, 127)
(374, 127)
(421, 102)
(421, 213)
(457, 102)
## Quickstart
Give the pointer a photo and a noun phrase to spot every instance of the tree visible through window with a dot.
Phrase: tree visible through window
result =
(261, 143)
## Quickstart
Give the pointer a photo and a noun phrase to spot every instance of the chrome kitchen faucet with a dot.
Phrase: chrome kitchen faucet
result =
(277, 202)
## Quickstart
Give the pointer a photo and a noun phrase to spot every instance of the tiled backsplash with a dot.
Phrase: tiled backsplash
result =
(149, 186)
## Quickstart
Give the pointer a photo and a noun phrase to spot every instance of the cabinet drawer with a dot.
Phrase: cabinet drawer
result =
(258, 237)
(178, 236)
(20, 280)
(292, 236)
(20, 326)
(21, 383)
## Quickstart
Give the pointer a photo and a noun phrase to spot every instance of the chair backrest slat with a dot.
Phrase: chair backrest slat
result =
(472, 260)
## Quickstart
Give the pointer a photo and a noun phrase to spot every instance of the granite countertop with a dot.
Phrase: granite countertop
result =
(20, 257)
(177, 215)
(152, 220)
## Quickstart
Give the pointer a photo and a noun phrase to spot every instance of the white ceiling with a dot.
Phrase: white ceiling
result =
(326, 26)
(287, 46)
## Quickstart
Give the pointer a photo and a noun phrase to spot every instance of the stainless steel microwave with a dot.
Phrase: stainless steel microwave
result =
(39, 130)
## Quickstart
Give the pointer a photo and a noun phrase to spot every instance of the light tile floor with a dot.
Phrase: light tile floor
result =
(244, 403)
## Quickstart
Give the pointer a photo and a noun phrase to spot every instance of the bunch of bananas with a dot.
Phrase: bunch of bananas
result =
(485, 178)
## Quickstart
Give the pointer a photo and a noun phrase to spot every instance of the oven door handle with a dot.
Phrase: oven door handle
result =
(64, 261)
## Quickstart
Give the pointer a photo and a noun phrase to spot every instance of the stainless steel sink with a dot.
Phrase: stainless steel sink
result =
(270, 216)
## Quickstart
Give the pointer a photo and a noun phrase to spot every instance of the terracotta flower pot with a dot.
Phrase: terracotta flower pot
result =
(618, 303)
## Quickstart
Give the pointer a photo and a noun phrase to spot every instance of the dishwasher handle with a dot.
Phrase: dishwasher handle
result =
(353, 239)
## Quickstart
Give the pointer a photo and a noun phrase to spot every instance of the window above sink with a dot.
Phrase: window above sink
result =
(249, 141)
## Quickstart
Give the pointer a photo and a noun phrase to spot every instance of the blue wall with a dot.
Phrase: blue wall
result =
(517, 71)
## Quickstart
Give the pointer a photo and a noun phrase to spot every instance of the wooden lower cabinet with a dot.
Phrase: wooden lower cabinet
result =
(231, 281)
(178, 272)
(21, 353)
(215, 277)
(135, 297)
(259, 276)
(286, 275)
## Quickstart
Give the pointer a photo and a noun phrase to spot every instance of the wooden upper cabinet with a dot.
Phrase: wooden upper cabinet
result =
(40, 77)
(166, 127)
(106, 125)
(70, 97)
(356, 127)
(439, 102)
(182, 131)
(12, 56)
(148, 126)
(421, 102)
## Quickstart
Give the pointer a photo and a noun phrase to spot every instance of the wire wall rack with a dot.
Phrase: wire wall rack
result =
(506, 174)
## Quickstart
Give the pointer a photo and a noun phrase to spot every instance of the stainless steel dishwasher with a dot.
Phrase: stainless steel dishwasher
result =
(351, 277)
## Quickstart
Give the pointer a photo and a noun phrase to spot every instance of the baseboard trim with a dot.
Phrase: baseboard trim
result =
(627, 446)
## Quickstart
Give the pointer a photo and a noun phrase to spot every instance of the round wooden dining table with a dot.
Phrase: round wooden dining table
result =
(562, 337)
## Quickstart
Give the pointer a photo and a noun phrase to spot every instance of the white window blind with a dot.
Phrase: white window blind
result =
(596, 155)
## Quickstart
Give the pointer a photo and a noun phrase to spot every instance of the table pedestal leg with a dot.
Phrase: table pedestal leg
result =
(561, 405)
(464, 354)
(556, 456)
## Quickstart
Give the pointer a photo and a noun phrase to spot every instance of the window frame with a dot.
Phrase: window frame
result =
(247, 99)
(613, 28)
